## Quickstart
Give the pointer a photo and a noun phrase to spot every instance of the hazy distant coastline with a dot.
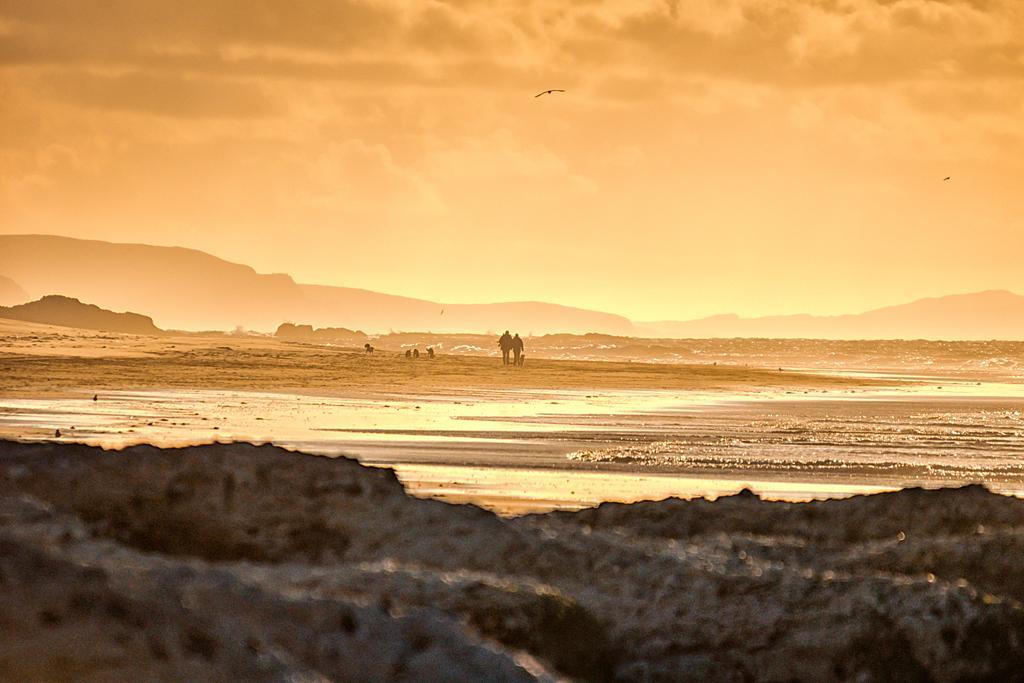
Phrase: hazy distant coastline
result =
(189, 290)
(986, 359)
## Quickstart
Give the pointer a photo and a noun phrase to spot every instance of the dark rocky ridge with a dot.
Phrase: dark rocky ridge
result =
(252, 562)
(55, 309)
(320, 334)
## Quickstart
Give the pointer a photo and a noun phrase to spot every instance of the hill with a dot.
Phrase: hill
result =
(68, 312)
(11, 293)
(995, 314)
(192, 290)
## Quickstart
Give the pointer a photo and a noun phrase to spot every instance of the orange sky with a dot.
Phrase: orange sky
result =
(748, 156)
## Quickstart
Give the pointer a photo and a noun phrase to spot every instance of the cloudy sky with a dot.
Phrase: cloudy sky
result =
(749, 156)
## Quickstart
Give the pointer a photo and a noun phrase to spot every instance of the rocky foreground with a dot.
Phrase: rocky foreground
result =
(241, 562)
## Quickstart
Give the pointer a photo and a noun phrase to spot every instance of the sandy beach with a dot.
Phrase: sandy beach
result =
(43, 360)
(517, 342)
(236, 507)
(560, 433)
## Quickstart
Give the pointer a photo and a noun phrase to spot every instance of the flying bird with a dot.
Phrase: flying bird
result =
(548, 92)
(947, 178)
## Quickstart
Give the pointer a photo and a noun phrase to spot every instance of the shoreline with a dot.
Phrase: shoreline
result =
(508, 433)
(508, 454)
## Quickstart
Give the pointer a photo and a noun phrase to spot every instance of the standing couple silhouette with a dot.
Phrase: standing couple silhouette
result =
(513, 345)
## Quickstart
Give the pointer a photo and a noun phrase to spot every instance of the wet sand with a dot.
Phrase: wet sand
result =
(557, 434)
(518, 452)
(516, 491)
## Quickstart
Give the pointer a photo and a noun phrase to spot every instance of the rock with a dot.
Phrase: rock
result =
(74, 607)
(55, 309)
(265, 563)
(307, 333)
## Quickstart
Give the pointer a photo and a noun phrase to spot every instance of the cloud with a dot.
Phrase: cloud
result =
(353, 173)
(163, 95)
(260, 59)
(493, 46)
(689, 127)
(125, 27)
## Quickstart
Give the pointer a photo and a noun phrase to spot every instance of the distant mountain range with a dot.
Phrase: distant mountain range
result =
(68, 312)
(995, 314)
(191, 290)
(11, 293)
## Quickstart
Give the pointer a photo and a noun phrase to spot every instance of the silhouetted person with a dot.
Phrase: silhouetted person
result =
(415, 353)
(430, 352)
(408, 353)
(517, 348)
(505, 343)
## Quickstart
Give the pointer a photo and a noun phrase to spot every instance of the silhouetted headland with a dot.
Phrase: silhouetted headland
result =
(68, 312)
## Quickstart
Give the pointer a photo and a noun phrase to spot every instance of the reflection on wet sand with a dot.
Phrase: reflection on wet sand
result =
(526, 450)
(513, 491)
